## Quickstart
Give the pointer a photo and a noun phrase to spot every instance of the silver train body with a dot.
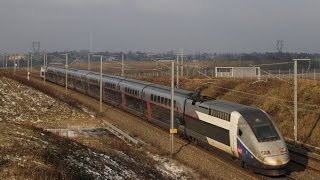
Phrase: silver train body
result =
(246, 133)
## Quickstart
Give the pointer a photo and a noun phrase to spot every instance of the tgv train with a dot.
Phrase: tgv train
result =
(246, 133)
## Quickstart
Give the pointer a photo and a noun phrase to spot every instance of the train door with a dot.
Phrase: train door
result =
(234, 119)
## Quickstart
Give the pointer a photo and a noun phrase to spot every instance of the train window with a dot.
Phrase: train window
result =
(169, 102)
(260, 124)
(228, 117)
(240, 132)
(174, 103)
(162, 100)
(266, 132)
(151, 97)
(158, 100)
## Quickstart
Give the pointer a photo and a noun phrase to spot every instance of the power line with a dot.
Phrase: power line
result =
(260, 96)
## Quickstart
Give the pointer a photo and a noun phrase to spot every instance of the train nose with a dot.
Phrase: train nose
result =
(277, 160)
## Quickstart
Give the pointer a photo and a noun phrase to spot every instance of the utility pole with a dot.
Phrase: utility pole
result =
(2, 62)
(44, 67)
(181, 63)
(177, 71)
(66, 66)
(31, 63)
(122, 66)
(28, 73)
(18, 62)
(100, 82)
(172, 129)
(14, 64)
(295, 95)
(6, 62)
(89, 60)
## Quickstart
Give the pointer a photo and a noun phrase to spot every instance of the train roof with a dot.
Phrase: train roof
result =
(226, 106)
(167, 88)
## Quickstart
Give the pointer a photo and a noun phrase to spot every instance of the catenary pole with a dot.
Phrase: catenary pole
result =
(177, 71)
(172, 106)
(14, 64)
(28, 73)
(31, 63)
(181, 63)
(100, 84)
(89, 61)
(66, 72)
(295, 96)
(44, 67)
(6, 62)
(2, 61)
(122, 66)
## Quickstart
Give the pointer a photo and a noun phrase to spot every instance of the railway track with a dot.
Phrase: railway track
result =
(301, 158)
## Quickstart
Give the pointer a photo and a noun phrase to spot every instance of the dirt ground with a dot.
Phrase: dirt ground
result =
(28, 151)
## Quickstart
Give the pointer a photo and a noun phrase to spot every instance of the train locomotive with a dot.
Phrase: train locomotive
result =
(246, 133)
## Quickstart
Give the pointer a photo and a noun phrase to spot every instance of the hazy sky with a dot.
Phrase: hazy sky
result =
(157, 25)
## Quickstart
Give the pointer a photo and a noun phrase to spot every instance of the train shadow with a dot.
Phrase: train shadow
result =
(298, 162)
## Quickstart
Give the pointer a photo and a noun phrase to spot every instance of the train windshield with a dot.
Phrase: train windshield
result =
(261, 125)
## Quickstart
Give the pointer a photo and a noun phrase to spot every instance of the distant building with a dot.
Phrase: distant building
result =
(239, 72)
(111, 58)
(16, 57)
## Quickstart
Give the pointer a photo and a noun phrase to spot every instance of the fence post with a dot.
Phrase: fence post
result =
(289, 73)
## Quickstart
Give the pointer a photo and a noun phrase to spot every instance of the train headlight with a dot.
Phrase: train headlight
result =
(283, 150)
(265, 152)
